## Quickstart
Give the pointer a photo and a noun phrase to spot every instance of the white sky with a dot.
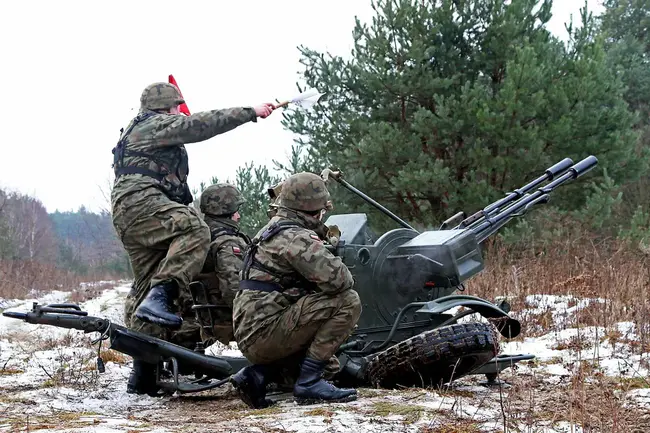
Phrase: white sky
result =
(72, 73)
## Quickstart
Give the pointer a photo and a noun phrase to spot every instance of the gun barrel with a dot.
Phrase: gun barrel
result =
(549, 174)
(152, 350)
(62, 318)
(15, 315)
(488, 226)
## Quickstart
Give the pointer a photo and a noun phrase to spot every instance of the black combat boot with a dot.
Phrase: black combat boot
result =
(250, 383)
(310, 387)
(156, 307)
(142, 379)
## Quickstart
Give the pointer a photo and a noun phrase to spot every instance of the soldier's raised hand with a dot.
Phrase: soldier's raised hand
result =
(264, 110)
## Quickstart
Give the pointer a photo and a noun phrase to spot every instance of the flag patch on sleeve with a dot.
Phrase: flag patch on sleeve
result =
(236, 250)
(315, 237)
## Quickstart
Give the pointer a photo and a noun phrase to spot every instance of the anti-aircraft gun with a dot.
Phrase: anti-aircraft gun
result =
(406, 280)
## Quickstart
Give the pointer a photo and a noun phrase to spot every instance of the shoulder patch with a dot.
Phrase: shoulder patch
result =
(315, 237)
(236, 250)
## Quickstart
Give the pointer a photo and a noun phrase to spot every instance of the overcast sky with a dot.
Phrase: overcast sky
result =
(72, 73)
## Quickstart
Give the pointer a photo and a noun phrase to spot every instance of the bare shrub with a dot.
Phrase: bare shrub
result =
(20, 279)
(614, 276)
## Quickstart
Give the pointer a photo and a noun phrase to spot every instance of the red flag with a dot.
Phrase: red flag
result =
(183, 107)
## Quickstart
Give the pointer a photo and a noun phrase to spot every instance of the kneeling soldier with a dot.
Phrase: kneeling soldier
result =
(296, 299)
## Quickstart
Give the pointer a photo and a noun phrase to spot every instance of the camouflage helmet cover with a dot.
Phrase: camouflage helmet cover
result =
(160, 96)
(221, 199)
(274, 191)
(304, 192)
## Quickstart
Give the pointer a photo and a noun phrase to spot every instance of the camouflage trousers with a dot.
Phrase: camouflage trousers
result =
(168, 241)
(315, 326)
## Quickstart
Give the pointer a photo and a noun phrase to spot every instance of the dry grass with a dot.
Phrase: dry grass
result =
(110, 355)
(618, 275)
(20, 279)
(88, 291)
(617, 281)
(25, 278)
(58, 420)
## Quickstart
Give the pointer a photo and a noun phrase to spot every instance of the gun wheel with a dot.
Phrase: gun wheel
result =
(434, 357)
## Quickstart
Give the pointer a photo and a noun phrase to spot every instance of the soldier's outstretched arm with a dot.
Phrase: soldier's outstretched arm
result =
(308, 255)
(173, 130)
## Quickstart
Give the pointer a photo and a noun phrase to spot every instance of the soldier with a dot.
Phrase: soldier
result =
(166, 240)
(296, 299)
(220, 205)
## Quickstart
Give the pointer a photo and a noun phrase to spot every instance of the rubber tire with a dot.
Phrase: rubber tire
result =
(434, 357)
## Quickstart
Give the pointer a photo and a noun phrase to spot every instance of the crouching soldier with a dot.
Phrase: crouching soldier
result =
(296, 300)
(220, 205)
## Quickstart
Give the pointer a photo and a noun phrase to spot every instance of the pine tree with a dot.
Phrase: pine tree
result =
(625, 26)
(446, 105)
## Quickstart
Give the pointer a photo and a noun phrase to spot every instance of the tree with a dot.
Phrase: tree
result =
(7, 248)
(26, 229)
(446, 105)
(625, 25)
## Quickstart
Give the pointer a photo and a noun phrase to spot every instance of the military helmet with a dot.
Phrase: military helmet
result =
(304, 192)
(274, 191)
(221, 199)
(160, 96)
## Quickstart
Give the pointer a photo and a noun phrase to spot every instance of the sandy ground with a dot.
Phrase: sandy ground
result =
(583, 379)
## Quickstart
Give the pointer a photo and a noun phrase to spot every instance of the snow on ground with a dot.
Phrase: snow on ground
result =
(48, 383)
(45, 366)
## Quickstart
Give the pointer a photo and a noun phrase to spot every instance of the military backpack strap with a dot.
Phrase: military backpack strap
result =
(220, 231)
(249, 258)
(120, 151)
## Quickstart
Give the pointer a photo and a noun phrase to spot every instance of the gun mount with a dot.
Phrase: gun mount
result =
(406, 281)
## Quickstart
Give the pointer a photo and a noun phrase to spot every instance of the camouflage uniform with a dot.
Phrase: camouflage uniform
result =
(296, 299)
(220, 274)
(166, 240)
(274, 193)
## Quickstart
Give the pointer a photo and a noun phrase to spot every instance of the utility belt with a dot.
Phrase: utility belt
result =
(262, 286)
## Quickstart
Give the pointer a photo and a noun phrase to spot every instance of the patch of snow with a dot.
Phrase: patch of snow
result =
(558, 305)
(557, 370)
(219, 349)
(640, 396)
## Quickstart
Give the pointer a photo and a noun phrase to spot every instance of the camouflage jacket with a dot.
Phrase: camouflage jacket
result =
(294, 250)
(150, 156)
(223, 263)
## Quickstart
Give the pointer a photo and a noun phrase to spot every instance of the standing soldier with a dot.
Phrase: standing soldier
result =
(165, 239)
(296, 299)
(220, 205)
